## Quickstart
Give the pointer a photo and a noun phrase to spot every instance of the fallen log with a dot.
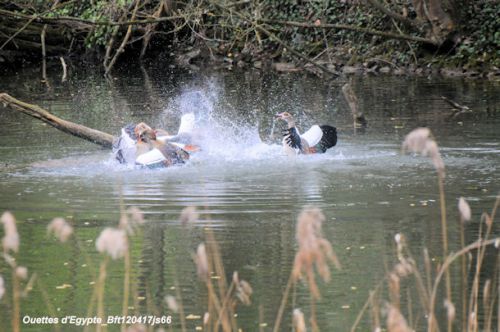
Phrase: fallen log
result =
(92, 135)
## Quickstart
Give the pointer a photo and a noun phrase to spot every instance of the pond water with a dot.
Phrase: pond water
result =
(247, 192)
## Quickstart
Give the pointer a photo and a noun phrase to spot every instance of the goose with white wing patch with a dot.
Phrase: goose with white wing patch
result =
(318, 139)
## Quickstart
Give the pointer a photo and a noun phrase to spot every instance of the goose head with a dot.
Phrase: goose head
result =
(140, 128)
(147, 136)
(287, 117)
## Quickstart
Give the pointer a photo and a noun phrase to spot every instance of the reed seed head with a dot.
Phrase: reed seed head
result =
(487, 219)
(206, 318)
(396, 321)
(244, 292)
(113, 242)
(2, 287)
(172, 303)
(299, 323)
(10, 240)
(236, 278)
(464, 209)
(22, 272)
(189, 215)
(450, 310)
(131, 220)
(486, 292)
(416, 140)
(201, 261)
(60, 228)
(403, 269)
(136, 215)
(314, 250)
(420, 141)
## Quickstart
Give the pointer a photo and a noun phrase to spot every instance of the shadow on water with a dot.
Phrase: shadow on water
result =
(249, 193)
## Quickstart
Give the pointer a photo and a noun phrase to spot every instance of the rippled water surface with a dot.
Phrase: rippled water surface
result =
(248, 193)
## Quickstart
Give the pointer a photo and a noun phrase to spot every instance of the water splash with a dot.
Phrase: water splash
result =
(221, 132)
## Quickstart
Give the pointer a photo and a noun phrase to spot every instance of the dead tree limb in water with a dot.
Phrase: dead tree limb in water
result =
(89, 134)
(359, 120)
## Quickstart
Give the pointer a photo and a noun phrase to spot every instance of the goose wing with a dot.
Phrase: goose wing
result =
(185, 132)
(313, 135)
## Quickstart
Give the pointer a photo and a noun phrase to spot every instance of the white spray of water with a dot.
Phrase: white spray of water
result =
(222, 133)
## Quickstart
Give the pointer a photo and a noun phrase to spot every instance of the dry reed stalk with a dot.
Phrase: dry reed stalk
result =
(375, 312)
(473, 299)
(100, 293)
(396, 321)
(428, 270)
(284, 299)
(465, 216)
(444, 267)
(409, 307)
(421, 141)
(130, 220)
(228, 319)
(10, 242)
(405, 268)
(242, 290)
(299, 323)
(126, 286)
(2, 287)
(489, 314)
(495, 299)
(203, 268)
(314, 250)
(450, 312)
(179, 303)
(49, 305)
(261, 318)
(444, 231)
(312, 319)
(366, 305)
(225, 303)
(394, 285)
(16, 306)
(313, 254)
(486, 296)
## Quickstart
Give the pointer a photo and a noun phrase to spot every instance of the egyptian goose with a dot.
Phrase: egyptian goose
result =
(158, 154)
(142, 145)
(185, 134)
(317, 139)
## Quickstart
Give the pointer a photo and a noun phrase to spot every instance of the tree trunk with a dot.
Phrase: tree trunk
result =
(442, 16)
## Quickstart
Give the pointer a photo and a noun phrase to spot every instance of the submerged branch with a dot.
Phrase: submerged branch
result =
(89, 134)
